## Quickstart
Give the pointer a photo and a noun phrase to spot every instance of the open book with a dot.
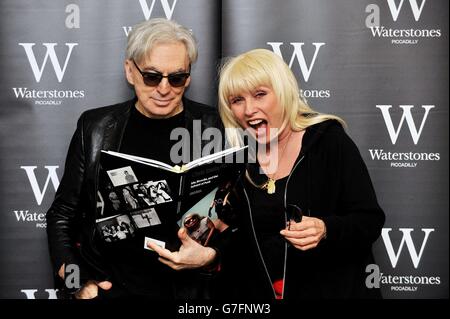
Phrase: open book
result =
(141, 197)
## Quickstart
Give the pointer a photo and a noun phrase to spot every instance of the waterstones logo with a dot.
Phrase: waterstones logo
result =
(406, 239)
(409, 158)
(398, 283)
(26, 215)
(399, 36)
(59, 67)
(306, 64)
(37, 294)
(402, 283)
(147, 10)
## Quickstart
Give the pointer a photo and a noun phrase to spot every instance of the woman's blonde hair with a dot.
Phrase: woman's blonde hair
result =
(260, 67)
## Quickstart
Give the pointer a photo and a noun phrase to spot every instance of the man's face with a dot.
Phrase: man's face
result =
(163, 100)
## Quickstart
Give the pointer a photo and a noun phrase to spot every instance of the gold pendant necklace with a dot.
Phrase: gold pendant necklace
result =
(269, 186)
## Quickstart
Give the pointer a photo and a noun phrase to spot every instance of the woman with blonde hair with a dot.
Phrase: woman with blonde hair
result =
(306, 224)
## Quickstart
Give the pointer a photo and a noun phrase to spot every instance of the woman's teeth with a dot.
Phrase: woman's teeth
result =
(256, 123)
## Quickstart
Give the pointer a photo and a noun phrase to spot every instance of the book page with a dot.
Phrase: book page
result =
(212, 157)
(146, 161)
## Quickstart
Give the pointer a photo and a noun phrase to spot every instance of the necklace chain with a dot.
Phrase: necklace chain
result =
(269, 185)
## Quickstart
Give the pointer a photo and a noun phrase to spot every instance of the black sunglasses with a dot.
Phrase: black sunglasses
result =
(154, 78)
(293, 212)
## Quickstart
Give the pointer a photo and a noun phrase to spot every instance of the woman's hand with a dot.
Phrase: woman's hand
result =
(190, 256)
(306, 234)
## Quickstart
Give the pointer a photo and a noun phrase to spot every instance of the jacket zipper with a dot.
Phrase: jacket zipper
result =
(97, 173)
(285, 244)
(285, 219)
(92, 235)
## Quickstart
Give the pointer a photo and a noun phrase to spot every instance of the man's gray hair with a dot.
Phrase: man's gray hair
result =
(145, 35)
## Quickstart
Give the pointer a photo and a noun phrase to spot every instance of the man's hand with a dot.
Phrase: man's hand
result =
(307, 234)
(61, 271)
(190, 256)
(90, 289)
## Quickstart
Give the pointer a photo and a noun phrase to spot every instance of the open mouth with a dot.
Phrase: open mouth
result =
(257, 124)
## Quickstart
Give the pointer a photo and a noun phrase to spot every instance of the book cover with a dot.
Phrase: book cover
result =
(142, 197)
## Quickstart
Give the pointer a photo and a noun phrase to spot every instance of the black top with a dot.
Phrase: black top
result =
(150, 138)
(136, 269)
(331, 183)
(269, 218)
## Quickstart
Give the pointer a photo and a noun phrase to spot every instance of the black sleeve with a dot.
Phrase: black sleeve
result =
(359, 219)
(65, 210)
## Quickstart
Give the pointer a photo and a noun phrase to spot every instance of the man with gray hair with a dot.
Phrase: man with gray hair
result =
(158, 63)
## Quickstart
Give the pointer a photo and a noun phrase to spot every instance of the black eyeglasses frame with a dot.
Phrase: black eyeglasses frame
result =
(154, 78)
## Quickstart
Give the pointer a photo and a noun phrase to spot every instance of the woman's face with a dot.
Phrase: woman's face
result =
(258, 112)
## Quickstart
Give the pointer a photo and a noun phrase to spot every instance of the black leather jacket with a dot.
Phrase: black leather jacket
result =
(71, 217)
